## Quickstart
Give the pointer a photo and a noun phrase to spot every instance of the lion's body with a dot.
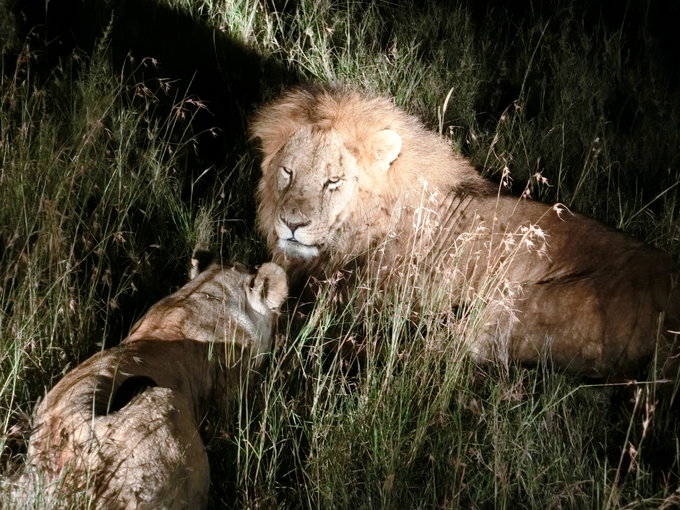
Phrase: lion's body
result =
(344, 181)
(122, 428)
(147, 453)
(553, 282)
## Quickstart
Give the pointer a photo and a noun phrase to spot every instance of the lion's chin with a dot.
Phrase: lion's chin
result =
(296, 250)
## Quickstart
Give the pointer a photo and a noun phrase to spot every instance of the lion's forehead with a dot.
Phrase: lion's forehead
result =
(211, 304)
(215, 288)
(314, 154)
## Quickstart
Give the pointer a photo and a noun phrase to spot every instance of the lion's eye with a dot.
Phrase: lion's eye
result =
(285, 176)
(333, 182)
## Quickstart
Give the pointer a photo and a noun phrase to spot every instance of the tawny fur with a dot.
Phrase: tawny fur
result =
(558, 285)
(122, 428)
(426, 162)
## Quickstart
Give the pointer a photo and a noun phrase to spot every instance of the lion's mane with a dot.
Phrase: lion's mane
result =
(426, 162)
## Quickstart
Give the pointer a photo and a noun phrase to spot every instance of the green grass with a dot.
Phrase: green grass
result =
(101, 207)
(92, 221)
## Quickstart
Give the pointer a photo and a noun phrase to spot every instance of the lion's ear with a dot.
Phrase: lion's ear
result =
(269, 288)
(386, 146)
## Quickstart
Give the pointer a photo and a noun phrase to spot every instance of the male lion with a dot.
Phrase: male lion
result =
(122, 428)
(349, 178)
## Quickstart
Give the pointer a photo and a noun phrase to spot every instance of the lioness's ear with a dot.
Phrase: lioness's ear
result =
(386, 146)
(200, 260)
(269, 288)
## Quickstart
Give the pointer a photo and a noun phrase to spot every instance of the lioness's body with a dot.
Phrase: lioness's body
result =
(145, 454)
(351, 180)
(122, 428)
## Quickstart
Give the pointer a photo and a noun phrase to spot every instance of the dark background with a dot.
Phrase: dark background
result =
(232, 79)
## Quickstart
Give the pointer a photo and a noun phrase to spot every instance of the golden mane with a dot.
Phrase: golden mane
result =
(425, 164)
(357, 118)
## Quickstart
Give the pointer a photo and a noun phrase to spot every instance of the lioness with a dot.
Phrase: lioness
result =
(350, 178)
(122, 428)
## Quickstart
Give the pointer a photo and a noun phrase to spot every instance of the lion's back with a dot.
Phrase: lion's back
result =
(602, 300)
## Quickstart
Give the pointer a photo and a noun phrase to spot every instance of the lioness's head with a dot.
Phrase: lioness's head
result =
(337, 165)
(221, 304)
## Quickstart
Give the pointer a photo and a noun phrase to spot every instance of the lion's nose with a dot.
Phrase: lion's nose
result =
(293, 225)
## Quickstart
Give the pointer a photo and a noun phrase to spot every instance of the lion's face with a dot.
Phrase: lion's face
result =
(316, 181)
(341, 170)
